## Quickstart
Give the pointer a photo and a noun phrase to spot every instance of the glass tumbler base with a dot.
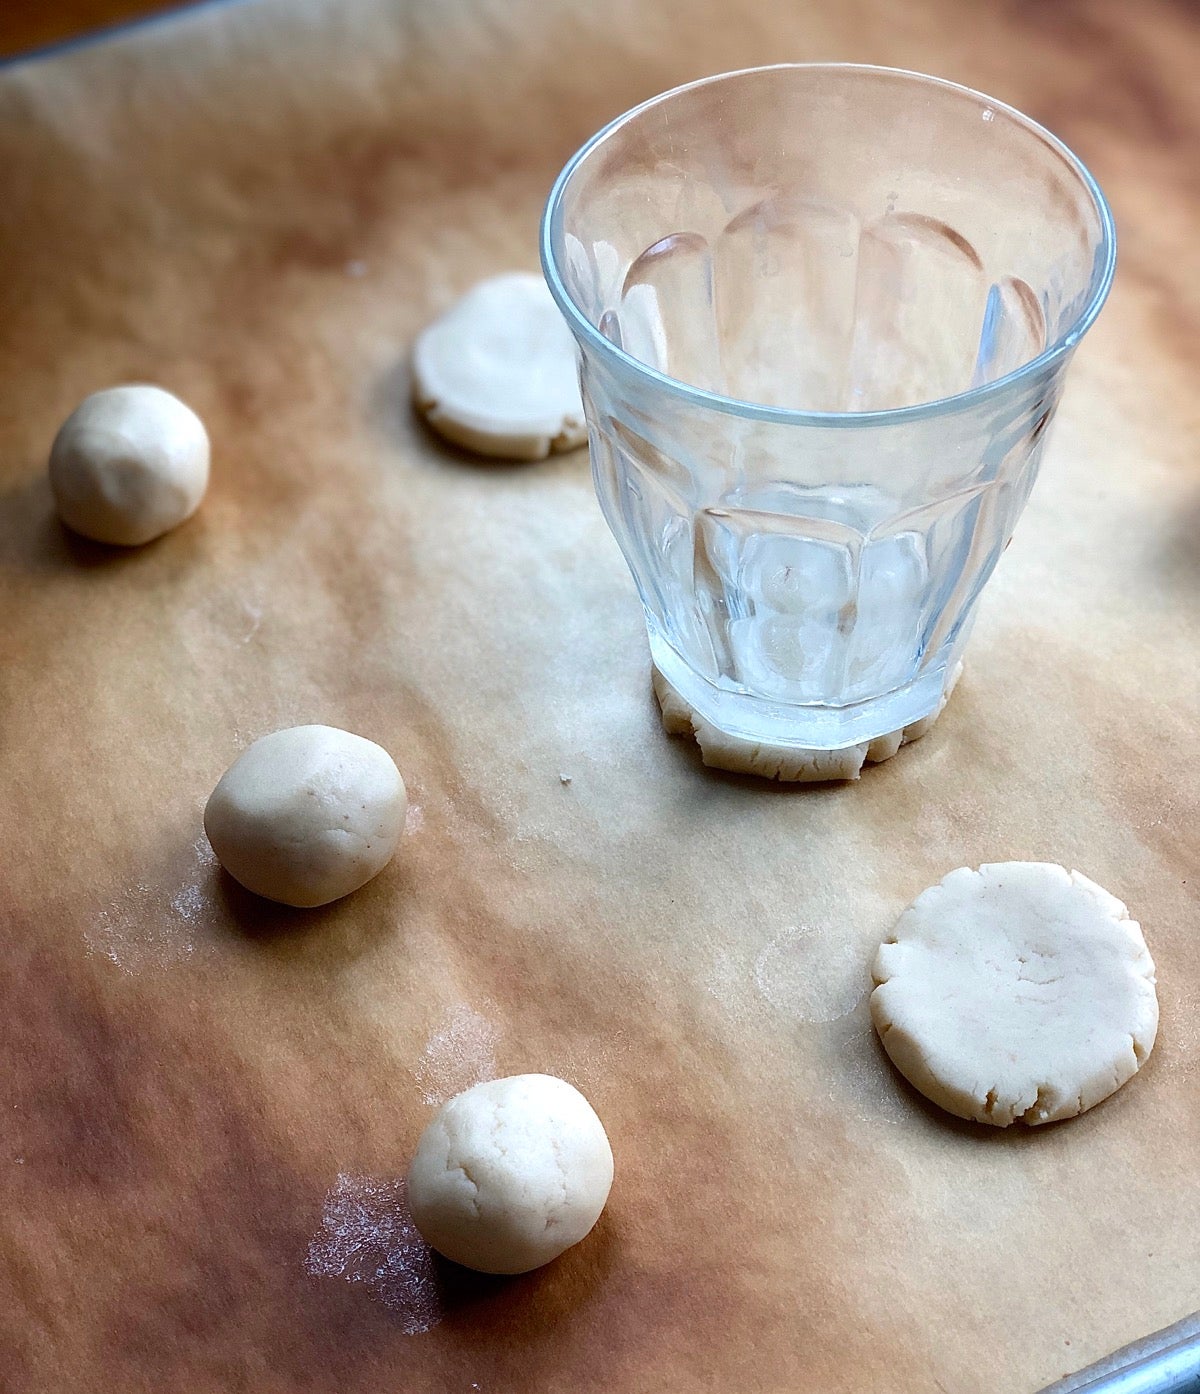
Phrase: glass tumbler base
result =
(802, 727)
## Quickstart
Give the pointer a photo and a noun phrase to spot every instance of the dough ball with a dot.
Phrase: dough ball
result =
(129, 464)
(307, 814)
(497, 372)
(510, 1174)
(787, 763)
(1018, 992)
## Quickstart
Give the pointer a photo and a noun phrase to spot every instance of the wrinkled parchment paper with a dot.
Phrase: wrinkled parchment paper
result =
(206, 1102)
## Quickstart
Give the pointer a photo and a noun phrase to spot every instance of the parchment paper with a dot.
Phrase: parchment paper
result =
(206, 1101)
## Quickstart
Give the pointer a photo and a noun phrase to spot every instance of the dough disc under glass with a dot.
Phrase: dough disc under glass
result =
(790, 764)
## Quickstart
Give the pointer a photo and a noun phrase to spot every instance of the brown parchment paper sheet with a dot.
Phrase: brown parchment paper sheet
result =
(257, 206)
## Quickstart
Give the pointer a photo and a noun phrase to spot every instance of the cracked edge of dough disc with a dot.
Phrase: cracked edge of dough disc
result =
(481, 439)
(467, 425)
(788, 764)
(917, 1030)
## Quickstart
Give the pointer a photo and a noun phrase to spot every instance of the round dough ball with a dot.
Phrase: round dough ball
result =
(129, 464)
(1018, 992)
(510, 1174)
(307, 814)
(497, 372)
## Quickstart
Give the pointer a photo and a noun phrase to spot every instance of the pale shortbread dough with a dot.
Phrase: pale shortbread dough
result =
(722, 752)
(307, 814)
(129, 464)
(509, 1174)
(1018, 992)
(497, 372)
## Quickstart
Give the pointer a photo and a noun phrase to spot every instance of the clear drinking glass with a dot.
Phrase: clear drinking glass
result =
(825, 312)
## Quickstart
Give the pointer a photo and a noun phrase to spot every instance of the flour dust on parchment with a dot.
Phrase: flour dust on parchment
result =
(148, 927)
(232, 615)
(862, 1082)
(809, 975)
(368, 1236)
(800, 973)
(820, 978)
(460, 1053)
(588, 1064)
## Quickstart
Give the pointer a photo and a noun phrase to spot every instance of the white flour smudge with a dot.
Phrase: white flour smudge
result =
(368, 1236)
(191, 900)
(461, 1053)
(590, 1065)
(414, 819)
(234, 616)
(147, 927)
(1176, 1043)
(188, 902)
(811, 976)
(134, 933)
(864, 1083)
(254, 614)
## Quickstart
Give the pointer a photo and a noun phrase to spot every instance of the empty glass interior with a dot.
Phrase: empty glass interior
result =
(829, 238)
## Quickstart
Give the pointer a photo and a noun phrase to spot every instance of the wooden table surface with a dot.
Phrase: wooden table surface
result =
(206, 1102)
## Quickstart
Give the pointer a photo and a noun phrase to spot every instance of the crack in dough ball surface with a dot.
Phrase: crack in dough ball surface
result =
(1018, 992)
(510, 1174)
(307, 814)
(129, 464)
(497, 372)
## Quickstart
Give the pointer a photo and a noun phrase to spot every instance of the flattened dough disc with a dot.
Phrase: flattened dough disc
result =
(1018, 992)
(497, 372)
(787, 763)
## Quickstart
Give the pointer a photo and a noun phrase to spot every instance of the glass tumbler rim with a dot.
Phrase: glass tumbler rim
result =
(1099, 286)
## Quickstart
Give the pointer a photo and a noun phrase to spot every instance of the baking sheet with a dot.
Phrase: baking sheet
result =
(208, 1100)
